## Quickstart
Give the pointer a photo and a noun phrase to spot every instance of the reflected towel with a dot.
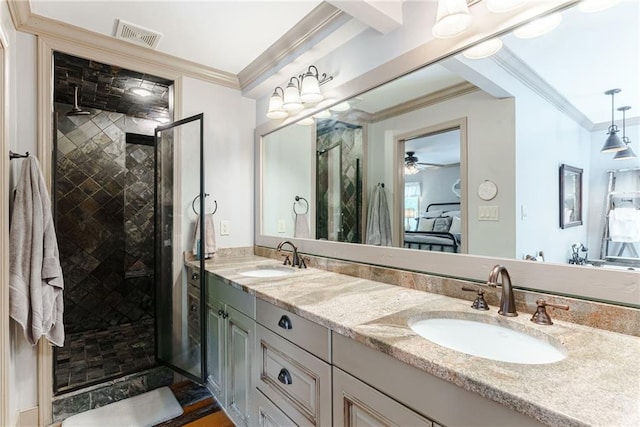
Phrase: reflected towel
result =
(624, 225)
(209, 237)
(35, 282)
(302, 226)
(378, 221)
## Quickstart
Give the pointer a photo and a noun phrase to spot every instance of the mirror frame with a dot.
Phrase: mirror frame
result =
(619, 287)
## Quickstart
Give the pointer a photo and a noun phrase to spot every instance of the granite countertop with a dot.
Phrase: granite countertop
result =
(597, 384)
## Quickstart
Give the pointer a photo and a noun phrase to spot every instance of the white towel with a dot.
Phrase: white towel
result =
(209, 236)
(35, 283)
(624, 225)
(378, 221)
(301, 228)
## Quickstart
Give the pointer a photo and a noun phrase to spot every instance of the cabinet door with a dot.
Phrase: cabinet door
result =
(355, 404)
(241, 331)
(216, 347)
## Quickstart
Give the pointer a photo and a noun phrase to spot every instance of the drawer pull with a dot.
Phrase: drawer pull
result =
(195, 276)
(284, 377)
(285, 322)
(194, 307)
(223, 314)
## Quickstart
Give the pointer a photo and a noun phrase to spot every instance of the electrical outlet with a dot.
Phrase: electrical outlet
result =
(281, 226)
(224, 227)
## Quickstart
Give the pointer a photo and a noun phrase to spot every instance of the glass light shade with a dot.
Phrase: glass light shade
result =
(484, 49)
(538, 27)
(411, 169)
(613, 143)
(291, 101)
(590, 6)
(343, 106)
(625, 154)
(310, 90)
(307, 121)
(499, 6)
(324, 114)
(275, 107)
(453, 18)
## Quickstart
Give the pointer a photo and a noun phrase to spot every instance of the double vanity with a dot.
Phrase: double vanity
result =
(305, 346)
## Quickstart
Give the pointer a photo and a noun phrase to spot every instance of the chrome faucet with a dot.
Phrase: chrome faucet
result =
(507, 302)
(297, 260)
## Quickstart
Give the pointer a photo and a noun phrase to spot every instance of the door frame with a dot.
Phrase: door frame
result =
(126, 59)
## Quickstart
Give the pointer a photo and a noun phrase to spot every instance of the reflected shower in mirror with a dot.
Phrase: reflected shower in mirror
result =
(532, 106)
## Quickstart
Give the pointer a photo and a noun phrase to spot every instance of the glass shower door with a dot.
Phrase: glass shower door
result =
(180, 297)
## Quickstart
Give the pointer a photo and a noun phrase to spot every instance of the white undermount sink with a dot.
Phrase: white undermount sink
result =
(487, 340)
(268, 272)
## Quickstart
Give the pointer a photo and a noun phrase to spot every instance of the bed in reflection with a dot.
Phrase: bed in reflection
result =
(437, 229)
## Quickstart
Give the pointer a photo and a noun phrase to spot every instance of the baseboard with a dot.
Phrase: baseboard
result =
(28, 417)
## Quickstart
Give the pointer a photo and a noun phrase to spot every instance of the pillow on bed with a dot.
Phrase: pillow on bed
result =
(442, 224)
(425, 224)
(432, 214)
(455, 225)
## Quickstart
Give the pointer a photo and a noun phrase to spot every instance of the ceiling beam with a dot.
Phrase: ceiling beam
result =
(383, 16)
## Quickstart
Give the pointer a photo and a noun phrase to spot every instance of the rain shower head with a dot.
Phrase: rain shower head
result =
(75, 110)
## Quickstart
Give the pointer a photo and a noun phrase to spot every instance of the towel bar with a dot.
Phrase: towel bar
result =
(298, 198)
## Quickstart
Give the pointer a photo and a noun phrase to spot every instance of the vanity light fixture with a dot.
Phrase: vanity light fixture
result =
(324, 114)
(538, 27)
(141, 92)
(301, 90)
(627, 153)
(590, 6)
(500, 6)
(613, 142)
(484, 49)
(307, 121)
(275, 105)
(452, 19)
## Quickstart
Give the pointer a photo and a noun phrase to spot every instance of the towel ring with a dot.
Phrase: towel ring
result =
(193, 204)
(298, 198)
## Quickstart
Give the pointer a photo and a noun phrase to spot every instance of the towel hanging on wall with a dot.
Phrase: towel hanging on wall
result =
(301, 225)
(378, 220)
(209, 247)
(35, 282)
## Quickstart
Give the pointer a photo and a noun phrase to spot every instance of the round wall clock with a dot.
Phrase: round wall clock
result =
(487, 190)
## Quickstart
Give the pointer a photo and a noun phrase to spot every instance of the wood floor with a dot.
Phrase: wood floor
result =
(200, 408)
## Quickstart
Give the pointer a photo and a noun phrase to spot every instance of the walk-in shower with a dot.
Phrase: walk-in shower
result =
(103, 191)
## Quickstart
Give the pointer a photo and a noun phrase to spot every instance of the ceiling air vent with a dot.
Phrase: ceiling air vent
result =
(136, 34)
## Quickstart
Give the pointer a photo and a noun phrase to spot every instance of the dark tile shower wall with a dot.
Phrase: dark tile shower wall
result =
(102, 192)
(350, 139)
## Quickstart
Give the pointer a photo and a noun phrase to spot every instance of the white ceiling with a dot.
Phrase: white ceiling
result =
(223, 34)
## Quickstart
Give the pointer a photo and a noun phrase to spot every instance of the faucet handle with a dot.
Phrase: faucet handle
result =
(479, 303)
(287, 260)
(303, 262)
(541, 317)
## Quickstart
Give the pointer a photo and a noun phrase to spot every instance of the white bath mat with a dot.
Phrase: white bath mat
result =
(144, 410)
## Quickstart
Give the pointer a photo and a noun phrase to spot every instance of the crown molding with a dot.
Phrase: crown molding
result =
(316, 25)
(515, 66)
(425, 101)
(25, 21)
(604, 126)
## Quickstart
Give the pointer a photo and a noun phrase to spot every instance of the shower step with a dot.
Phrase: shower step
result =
(68, 404)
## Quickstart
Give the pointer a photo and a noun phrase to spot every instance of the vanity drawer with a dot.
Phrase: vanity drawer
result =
(269, 415)
(312, 337)
(296, 381)
(193, 276)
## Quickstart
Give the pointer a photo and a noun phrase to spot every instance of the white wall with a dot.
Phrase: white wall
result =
(288, 158)
(229, 121)
(22, 137)
(491, 154)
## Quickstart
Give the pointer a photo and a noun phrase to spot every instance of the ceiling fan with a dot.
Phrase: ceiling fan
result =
(412, 161)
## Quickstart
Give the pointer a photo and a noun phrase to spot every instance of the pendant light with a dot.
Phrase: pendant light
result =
(613, 142)
(627, 153)
(452, 19)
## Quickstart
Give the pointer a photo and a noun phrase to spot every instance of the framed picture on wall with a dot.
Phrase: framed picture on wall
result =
(570, 196)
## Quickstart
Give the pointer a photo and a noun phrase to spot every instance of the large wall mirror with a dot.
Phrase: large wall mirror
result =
(467, 153)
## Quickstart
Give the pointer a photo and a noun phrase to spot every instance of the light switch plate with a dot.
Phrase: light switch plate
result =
(224, 227)
(281, 226)
(488, 213)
